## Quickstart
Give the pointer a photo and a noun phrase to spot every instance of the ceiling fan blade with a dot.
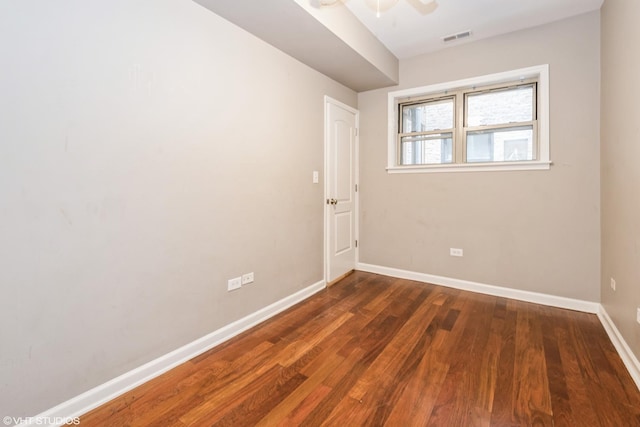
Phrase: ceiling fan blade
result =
(424, 7)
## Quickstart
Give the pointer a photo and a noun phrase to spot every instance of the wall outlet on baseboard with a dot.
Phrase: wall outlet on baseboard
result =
(455, 252)
(613, 283)
(247, 278)
(234, 283)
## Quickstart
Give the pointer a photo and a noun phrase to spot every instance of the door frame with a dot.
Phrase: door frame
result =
(356, 159)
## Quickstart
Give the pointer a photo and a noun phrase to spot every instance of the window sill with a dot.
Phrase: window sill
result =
(472, 167)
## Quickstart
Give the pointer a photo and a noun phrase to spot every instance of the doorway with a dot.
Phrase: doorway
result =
(341, 191)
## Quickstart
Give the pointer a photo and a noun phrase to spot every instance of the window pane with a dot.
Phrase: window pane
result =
(429, 116)
(513, 105)
(426, 149)
(500, 145)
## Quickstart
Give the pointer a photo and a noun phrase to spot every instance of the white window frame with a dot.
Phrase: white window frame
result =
(542, 161)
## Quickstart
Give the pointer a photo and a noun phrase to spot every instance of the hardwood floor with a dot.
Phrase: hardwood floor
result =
(374, 350)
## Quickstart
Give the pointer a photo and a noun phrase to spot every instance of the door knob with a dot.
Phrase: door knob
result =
(332, 201)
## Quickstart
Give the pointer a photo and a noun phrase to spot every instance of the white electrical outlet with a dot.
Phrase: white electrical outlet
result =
(638, 315)
(247, 278)
(316, 177)
(234, 283)
(613, 283)
(455, 252)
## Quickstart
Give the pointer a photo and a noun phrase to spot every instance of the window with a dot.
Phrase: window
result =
(496, 122)
(426, 136)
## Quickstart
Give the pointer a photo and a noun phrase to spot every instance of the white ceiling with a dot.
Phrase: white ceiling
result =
(337, 40)
(407, 32)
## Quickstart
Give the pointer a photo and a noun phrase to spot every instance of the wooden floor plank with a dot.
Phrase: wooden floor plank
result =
(420, 394)
(532, 400)
(582, 412)
(454, 405)
(503, 401)
(375, 350)
(301, 412)
(558, 388)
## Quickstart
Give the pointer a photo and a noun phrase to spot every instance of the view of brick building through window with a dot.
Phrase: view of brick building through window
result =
(496, 122)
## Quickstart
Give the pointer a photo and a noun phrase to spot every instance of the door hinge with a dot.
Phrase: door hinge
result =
(356, 188)
(356, 243)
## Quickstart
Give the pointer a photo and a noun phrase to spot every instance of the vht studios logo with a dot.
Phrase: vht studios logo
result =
(41, 421)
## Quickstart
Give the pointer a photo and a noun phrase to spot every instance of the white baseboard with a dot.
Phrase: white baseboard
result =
(627, 356)
(535, 297)
(111, 389)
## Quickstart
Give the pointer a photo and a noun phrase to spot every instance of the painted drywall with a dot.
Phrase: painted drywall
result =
(329, 39)
(620, 149)
(342, 22)
(528, 230)
(149, 151)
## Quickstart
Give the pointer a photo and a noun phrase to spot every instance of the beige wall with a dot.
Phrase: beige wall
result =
(536, 230)
(620, 138)
(149, 151)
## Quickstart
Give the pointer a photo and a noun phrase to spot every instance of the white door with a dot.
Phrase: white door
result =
(340, 189)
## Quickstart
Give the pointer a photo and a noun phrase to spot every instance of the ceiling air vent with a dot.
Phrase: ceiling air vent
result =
(458, 36)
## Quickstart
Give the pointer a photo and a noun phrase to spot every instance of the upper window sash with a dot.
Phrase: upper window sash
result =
(519, 93)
